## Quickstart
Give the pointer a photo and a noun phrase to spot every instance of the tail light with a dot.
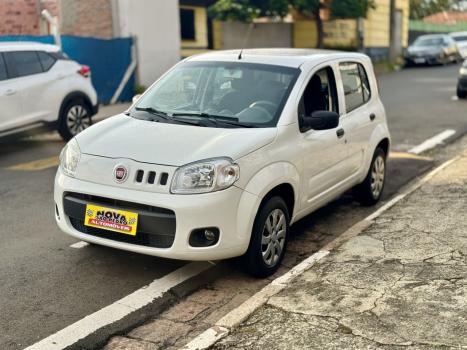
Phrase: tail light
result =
(85, 71)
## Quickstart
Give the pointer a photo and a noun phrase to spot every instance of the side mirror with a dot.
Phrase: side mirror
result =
(135, 98)
(321, 120)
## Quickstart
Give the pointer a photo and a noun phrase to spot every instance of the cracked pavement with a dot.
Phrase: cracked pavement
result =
(400, 284)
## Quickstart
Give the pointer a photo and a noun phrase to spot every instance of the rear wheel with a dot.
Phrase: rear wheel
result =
(75, 117)
(370, 190)
(268, 239)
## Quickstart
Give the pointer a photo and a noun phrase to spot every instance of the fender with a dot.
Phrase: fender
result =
(79, 95)
(258, 187)
(380, 133)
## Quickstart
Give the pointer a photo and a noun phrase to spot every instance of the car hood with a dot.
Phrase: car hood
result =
(122, 136)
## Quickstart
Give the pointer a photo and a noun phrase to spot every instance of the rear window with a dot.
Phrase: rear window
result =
(355, 84)
(47, 61)
(3, 75)
(460, 38)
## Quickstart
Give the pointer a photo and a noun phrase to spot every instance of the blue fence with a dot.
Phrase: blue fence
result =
(108, 60)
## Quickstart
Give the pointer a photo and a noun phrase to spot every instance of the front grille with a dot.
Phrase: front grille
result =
(149, 177)
(141, 238)
(156, 226)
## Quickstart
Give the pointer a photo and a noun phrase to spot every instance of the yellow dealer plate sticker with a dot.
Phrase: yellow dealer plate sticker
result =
(111, 219)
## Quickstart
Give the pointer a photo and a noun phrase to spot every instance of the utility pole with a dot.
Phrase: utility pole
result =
(392, 32)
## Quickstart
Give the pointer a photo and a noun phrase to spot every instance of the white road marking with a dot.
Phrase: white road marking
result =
(79, 245)
(454, 98)
(119, 309)
(226, 324)
(432, 142)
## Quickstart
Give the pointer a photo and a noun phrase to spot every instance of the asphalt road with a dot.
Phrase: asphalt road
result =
(46, 285)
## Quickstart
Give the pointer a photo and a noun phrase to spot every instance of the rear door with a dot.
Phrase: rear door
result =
(35, 83)
(360, 110)
(10, 100)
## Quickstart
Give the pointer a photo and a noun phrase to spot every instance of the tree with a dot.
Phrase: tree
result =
(312, 8)
(423, 8)
(248, 10)
(351, 8)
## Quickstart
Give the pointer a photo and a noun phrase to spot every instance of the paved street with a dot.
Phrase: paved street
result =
(47, 285)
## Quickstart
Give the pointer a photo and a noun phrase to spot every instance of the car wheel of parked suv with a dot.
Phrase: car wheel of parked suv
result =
(461, 94)
(75, 117)
(268, 239)
(370, 190)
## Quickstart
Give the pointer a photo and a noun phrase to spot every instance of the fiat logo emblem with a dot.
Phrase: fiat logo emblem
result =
(120, 173)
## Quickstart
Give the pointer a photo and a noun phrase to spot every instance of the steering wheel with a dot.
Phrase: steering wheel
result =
(267, 105)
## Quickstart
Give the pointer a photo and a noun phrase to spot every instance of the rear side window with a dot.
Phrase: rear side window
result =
(47, 61)
(3, 75)
(355, 83)
(24, 63)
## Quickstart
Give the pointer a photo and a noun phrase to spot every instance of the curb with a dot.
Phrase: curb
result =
(226, 324)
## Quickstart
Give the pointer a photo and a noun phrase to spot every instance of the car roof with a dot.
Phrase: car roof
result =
(27, 46)
(433, 36)
(458, 34)
(277, 56)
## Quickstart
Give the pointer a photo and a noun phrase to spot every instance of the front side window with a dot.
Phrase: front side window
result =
(3, 74)
(24, 62)
(355, 84)
(241, 92)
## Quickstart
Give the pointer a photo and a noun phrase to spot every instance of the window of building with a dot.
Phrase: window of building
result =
(355, 83)
(187, 23)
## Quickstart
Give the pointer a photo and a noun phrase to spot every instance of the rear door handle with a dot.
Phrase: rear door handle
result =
(340, 133)
(372, 116)
(10, 92)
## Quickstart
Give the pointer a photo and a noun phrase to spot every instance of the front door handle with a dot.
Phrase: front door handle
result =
(340, 133)
(372, 116)
(10, 92)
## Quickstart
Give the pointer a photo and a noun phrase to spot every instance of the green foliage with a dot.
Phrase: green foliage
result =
(248, 10)
(423, 8)
(307, 7)
(350, 8)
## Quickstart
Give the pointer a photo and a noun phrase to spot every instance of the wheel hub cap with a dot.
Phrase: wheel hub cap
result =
(377, 176)
(273, 238)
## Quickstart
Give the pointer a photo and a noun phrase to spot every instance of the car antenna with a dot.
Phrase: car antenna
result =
(245, 41)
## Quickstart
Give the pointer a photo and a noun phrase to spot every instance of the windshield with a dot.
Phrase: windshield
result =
(437, 41)
(460, 38)
(241, 94)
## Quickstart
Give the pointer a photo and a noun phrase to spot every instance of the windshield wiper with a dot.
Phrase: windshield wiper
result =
(215, 118)
(164, 115)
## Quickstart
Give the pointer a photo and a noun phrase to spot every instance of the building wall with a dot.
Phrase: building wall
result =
(231, 35)
(156, 28)
(86, 18)
(340, 33)
(19, 17)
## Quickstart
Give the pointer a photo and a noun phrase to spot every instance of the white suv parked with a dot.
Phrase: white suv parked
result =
(223, 153)
(41, 87)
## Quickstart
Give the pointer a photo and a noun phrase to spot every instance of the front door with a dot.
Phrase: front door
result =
(324, 151)
(10, 99)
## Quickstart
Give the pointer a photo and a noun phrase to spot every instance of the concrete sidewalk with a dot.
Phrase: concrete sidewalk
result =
(401, 284)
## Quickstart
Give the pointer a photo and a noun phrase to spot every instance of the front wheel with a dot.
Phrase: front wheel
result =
(461, 93)
(370, 190)
(75, 117)
(268, 239)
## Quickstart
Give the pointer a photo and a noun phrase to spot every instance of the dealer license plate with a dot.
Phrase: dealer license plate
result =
(111, 219)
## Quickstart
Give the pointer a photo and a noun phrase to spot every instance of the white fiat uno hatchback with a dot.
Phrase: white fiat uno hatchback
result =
(224, 152)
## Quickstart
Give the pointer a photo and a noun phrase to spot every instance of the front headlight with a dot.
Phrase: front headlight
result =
(209, 175)
(463, 71)
(69, 158)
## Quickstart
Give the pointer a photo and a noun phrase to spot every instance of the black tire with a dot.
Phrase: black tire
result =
(253, 261)
(461, 93)
(366, 192)
(83, 115)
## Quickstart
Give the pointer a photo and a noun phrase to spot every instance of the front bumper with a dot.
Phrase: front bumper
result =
(424, 59)
(232, 211)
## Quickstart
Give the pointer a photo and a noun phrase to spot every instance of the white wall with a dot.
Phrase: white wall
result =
(156, 26)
